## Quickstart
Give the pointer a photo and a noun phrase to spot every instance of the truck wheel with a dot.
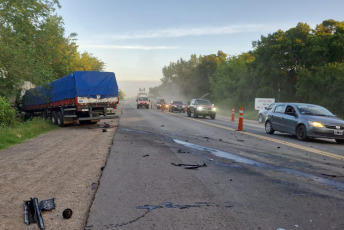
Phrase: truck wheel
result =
(60, 121)
(54, 117)
(212, 116)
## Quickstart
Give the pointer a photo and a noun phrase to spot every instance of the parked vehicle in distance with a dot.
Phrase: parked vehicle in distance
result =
(201, 107)
(142, 101)
(306, 121)
(176, 106)
(262, 113)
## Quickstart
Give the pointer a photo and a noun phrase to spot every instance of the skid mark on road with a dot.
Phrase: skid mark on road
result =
(308, 149)
(258, 164)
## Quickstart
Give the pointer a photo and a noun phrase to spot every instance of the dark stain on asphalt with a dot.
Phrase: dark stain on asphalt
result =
(255, 163)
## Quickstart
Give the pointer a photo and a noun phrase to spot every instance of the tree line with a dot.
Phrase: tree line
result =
(34, 47)
(300, 64)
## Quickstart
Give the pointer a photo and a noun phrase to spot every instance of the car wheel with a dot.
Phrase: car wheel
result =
(260, 118)
(268, 128)
(340, 141)
(301, 133)
(212, 116)
(138, 107)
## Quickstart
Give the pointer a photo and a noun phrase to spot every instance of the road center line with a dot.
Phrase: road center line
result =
(308, 149)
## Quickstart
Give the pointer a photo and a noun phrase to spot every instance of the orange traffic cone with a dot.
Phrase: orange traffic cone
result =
(241, 119)
(233, 110)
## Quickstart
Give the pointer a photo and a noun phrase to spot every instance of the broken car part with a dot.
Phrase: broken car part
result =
(32, 210)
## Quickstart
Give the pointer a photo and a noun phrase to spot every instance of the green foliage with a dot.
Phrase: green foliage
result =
(33, 47)
(300, 64)
(121, 94)
(7, 113)
(23, 131)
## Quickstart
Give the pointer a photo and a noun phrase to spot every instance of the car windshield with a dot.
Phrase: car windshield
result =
(178, 102)
(314, 110)
(202, 102)
(143, 98)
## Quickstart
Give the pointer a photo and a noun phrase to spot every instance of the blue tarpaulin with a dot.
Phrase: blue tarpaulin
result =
(78, 84)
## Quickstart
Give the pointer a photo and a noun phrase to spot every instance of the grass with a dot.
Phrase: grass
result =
(248, 114)
(23, 131)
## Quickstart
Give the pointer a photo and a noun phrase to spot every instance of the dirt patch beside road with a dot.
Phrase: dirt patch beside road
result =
(65, 164)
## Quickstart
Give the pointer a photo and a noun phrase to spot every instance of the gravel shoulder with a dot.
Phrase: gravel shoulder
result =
(65, 163)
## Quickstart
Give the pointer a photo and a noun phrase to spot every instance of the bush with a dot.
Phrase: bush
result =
(7, 113)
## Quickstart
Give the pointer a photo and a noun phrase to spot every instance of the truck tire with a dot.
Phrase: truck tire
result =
(60, 121)
(54, 117)
(212, 116)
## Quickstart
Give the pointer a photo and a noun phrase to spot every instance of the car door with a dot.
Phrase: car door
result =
(276, 117)
(290, 119)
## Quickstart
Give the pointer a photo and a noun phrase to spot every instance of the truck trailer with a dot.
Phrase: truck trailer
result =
(80, 96)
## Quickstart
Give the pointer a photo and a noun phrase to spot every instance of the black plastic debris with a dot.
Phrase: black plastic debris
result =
(32, 210)
(147, 155)
(191, 166)
(67, 213)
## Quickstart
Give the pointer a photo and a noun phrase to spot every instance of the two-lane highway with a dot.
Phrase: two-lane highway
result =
(246, 179)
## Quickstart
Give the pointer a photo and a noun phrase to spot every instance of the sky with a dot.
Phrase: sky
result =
(137, 38)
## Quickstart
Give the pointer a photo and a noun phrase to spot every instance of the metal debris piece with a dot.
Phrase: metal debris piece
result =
(191, 166)
(67, 213)
(47, 205)
(32, 213)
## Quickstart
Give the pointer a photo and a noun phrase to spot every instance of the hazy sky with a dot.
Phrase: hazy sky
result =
(137, 38)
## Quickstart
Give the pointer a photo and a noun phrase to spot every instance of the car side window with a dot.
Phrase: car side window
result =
(279, 109)
(290, 110)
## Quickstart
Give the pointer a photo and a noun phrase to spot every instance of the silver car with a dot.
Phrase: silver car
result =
(306, 121)
(262, 113)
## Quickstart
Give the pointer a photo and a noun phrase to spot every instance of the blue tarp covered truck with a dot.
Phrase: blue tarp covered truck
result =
(80, 96)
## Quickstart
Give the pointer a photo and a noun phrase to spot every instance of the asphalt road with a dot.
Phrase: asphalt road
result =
(248, 179)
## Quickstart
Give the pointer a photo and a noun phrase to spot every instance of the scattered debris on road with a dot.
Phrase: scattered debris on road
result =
(191, 166)
(67, 213)
(32, 210)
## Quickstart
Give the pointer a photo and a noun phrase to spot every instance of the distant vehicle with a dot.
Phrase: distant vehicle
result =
(176, 106)
(142, 101)
(201, 107)
(159, 101)
(306, 121)
(262, 113)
